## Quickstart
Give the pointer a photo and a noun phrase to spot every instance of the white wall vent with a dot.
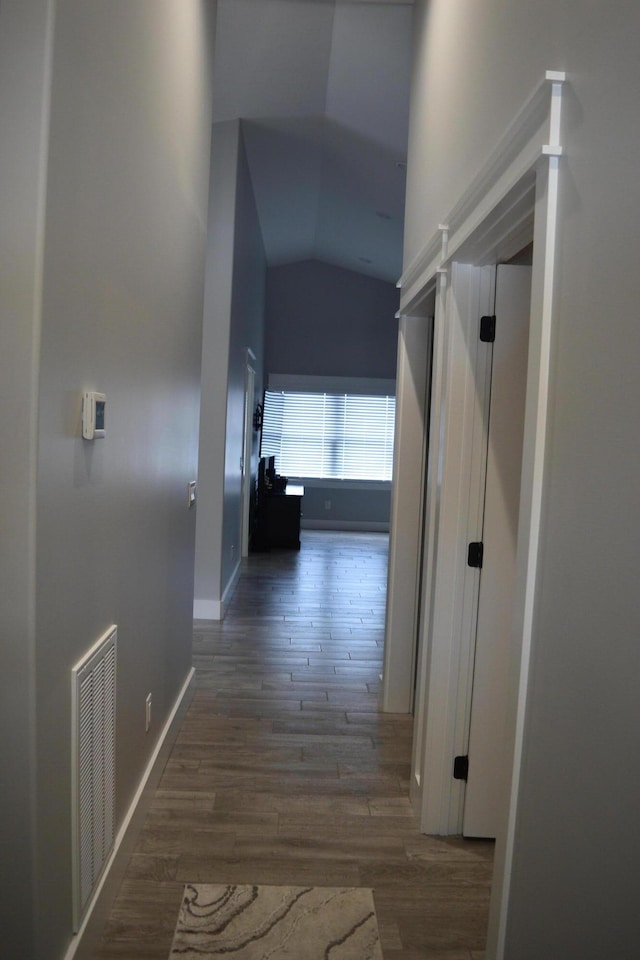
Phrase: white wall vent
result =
(93, 739)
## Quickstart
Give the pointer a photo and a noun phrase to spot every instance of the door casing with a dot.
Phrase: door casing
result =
(512, 197)
(484, 791)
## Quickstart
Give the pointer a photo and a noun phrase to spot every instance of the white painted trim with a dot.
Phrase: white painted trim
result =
(407, 498)
(535, 126)
(207, 609)
(76, 945)
(535, 438)
(233, 580)
(418, 777)
(204, 609)
(529, 149)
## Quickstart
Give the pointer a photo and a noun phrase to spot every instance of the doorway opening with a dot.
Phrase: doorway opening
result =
(511, 203)
(507, 343)
(408, 502)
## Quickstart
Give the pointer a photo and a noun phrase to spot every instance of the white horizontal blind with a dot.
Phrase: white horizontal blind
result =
(329, 436)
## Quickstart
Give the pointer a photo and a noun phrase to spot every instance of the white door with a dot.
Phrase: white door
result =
(247, 449)
(485, 794)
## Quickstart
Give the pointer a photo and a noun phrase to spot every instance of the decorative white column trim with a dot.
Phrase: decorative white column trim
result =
(546, 223)
(513, 196)
(534, 132)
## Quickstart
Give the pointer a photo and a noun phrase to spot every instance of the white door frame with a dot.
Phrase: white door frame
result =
(454, 506)
(407, 496)
(247, 450)
(513, 195)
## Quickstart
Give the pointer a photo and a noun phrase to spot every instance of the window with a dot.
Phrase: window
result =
(329, 435)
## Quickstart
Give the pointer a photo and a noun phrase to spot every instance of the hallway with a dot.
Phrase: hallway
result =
(284, 772)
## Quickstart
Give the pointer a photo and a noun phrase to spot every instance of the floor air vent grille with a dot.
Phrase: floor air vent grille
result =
(93, 739)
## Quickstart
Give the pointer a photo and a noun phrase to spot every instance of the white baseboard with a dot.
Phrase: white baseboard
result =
(216, 609)
(364, 526)
(207, 609)
(233, 581)
(84, 943)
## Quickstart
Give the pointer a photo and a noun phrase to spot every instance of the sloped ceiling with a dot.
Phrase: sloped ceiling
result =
(322, 87)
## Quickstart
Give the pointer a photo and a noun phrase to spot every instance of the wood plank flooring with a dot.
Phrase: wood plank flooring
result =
(284, 771)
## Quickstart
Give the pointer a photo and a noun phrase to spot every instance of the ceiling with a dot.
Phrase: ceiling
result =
(323, 89)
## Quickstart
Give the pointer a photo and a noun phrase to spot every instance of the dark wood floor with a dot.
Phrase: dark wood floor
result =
(284, 772)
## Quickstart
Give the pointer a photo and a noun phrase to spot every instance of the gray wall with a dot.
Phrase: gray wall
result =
(233, 321)
(327, 321)
(24, 45)
(576, 846)
(345, 507)
(121, 306)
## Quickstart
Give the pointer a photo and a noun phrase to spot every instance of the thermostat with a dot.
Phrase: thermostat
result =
(93, 407)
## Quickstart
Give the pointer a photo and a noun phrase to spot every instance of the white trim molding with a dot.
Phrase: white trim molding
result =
(207, 609)
(512, 200)
(535, 438)
(454, 508)
(407, 496)
(204, 609)
(533, 133)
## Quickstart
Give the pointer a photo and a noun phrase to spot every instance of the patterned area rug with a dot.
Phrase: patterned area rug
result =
(273, 923)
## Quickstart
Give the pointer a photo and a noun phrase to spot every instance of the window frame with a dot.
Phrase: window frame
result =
(342, 427)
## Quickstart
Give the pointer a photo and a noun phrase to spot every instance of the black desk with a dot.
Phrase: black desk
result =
(282, 517)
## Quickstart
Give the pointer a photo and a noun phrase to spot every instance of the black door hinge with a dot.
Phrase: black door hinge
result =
(461, 768)
(488, 329)
(475, 554)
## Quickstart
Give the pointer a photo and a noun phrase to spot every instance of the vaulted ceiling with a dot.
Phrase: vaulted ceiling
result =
(323, 89)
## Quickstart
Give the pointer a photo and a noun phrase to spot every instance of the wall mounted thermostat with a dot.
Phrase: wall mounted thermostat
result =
(93, 407)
